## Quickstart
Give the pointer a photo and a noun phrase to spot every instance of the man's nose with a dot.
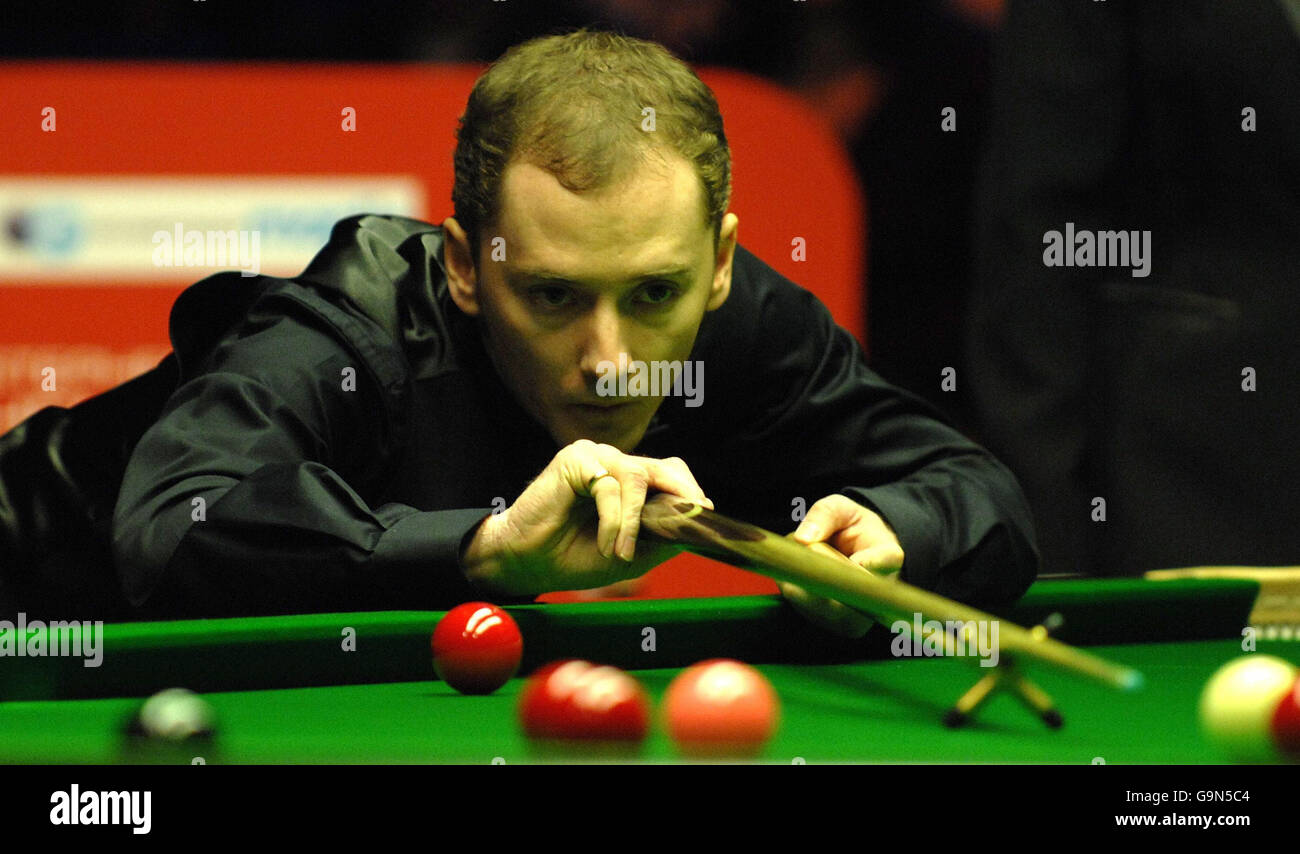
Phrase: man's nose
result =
(603, 339)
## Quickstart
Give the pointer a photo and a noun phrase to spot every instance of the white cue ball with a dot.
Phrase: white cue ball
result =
(1238, 702)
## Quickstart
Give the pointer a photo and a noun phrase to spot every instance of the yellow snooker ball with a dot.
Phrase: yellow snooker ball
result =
(1238, 702)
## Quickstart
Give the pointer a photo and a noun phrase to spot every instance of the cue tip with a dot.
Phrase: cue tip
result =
(1131, 680)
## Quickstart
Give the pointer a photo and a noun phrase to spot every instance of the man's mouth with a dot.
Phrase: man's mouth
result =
(607, 408)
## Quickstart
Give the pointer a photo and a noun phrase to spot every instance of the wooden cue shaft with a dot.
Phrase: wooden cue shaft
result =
(947, 639)
(681, 521)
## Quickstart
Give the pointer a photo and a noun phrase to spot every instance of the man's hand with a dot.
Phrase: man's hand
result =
(852, 530)
(576, 524)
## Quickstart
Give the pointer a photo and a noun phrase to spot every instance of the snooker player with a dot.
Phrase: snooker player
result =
(415, 420)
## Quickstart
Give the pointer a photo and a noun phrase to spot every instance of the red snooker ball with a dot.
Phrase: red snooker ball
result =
(721, 708)
(1285, 723)
(578, 700)
(476, 648)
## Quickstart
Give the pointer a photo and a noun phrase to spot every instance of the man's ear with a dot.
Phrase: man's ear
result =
(458, 259)
(722, 261)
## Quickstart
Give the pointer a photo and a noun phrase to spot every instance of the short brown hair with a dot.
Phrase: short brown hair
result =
(572, 104)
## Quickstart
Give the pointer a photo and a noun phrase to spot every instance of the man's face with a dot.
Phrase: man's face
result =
(627, 269)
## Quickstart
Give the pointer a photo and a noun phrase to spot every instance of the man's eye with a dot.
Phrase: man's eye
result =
(657, 293)
(551, 296)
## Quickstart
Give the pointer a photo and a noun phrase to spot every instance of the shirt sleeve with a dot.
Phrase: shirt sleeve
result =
(240, 499)
(822, 422)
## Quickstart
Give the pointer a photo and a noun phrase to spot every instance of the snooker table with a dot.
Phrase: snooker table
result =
(287, 691)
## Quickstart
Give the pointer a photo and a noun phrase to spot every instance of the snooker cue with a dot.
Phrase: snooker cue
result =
(710, 533)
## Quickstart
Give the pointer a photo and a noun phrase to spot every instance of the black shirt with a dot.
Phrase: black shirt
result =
(333, 439)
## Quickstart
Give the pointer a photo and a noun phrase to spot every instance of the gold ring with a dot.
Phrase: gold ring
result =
(592, 483)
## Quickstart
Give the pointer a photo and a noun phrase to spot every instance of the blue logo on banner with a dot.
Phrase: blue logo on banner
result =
(56, 230)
